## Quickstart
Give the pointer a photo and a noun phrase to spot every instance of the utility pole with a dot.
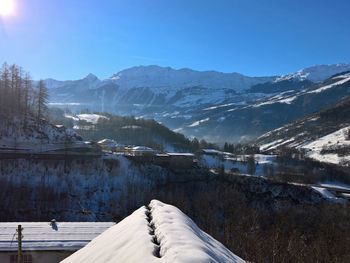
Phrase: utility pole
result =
(19, 238)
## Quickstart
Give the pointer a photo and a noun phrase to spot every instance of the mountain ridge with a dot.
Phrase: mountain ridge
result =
(203, 107)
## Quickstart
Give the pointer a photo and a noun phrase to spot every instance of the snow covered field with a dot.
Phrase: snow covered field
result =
(230, 161)
(335, 139)
(178, 240)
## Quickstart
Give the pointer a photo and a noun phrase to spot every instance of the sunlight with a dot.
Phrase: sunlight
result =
(6, 7)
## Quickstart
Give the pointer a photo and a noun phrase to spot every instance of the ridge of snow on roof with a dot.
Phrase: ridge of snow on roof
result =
(142, 148)
(210, 151)
(42, 236)
(130, 240)
(106, 141)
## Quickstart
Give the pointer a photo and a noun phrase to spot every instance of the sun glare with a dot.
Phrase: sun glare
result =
(6, 7)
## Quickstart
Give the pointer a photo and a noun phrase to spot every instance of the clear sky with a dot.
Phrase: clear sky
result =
(67, 39)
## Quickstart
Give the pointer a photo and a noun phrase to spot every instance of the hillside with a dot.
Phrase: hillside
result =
(23, 123)
(14, 133)
(322, 134)
(125, 130)
(155, 233)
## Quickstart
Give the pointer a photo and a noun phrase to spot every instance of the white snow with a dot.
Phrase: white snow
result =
(230, 161)
(92, 118)
(142, 148)
(345, 79)
(106, 141)
(219, 106)
(336, 185)
(42, 236)
(181, 241)
(334, 139)
(211, 151)
(276, 99)
(34, 138)
(198, 122)
(324, 192)
(316, 73)
(270, 145)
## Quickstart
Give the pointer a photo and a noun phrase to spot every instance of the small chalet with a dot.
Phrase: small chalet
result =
(142, 151)
(45, 242)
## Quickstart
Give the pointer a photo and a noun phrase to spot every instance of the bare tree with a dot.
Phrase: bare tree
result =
(42, 98)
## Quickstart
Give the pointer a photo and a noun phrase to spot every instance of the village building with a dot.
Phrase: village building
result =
(162, 159)
(142, 151)
(47, 242)
(111, 145)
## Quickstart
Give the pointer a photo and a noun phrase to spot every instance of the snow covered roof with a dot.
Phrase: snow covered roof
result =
(157, 233)
(142, 148)
(105, 141)
(43, 236)
(181, 154)
(211, 151)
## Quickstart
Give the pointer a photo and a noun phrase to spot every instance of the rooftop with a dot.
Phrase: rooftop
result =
(142, 148)
(181, 154)
(43, 236)
(154, 234)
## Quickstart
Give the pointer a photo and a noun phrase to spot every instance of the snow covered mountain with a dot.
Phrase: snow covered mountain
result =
(158, 233)
(170, 79)
(205, 104)
(324, 134)
(316, 73)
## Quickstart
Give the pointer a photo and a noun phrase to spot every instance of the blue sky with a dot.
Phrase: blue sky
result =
(67, 39)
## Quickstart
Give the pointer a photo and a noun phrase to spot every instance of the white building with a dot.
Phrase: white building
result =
(142, 151)
(46, 243)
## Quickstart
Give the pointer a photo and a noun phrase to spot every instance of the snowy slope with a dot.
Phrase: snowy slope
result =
(91, 118)
(132, 240)
(333, 140)
(317, 73)
(320, 123)
(15, 134)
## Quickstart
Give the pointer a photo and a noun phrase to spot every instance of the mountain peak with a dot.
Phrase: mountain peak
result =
(166, 77)
(90, 76)
(316, 73)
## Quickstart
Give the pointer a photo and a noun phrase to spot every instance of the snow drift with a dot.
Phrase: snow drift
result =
(156, 233)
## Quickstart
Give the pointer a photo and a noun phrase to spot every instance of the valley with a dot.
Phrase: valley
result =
(87, 165)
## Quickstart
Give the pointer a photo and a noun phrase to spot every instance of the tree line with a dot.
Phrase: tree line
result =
(20, 96)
